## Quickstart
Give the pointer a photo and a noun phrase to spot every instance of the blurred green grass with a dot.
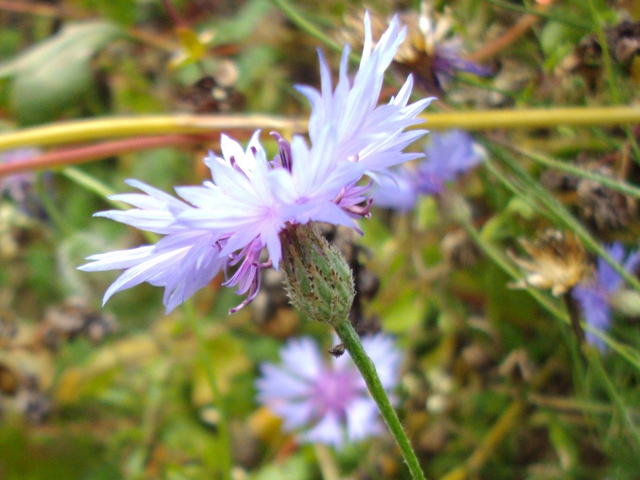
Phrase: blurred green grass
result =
(137, 404)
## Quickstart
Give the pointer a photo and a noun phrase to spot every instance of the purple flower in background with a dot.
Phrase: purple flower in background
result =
(434, 51)
(327, 401)
(20, 186)
(226, 223)
(398, 190)
(449, 155)
(448, 60)
(594, 297)
(14, 185)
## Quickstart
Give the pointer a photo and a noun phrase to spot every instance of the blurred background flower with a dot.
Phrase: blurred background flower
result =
(434, 52)
(326, 400)
(449, 155)
(594, 295)
(558, 262)
(20, 187)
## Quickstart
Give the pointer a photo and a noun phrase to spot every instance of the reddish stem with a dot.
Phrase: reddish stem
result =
(177, 20)
(88, 153)
(516, 32)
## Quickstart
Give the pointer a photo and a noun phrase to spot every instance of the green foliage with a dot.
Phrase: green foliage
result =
(55, 75)
(295, 468)
(122, 12)
(45, 457)
(557, 41)
(494, 384)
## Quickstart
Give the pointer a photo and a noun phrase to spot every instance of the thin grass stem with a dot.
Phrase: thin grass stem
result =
(207, 364)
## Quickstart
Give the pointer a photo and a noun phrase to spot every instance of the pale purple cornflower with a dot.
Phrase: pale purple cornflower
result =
(229, 221)
(449, 155)
(184, 261)
(594, 297)
(370, 135)
(326, 400)
(226, 222)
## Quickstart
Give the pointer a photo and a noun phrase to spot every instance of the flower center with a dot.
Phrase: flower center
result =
(333, 391)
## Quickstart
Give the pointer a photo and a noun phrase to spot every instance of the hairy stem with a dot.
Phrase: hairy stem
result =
(351, 341)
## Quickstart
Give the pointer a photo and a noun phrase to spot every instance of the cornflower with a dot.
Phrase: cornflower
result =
(594, 296)
(251, 201)
(327, 402)
(398, 191)
(449, 155)
(433, 52)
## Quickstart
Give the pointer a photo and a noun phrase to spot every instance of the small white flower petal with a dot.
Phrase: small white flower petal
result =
(295, 415)
(302, 357)
(116, 260)
(147, 270)
(279, 383)
(362, 420)
(328, 431)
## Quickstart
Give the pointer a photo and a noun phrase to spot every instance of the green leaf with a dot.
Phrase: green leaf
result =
(51, 76)
(403, 312)
(557, 40)
(242, 25)
(295, 468)
(120, 11)
(564, 445)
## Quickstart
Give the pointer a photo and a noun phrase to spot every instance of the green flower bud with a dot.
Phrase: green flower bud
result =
(318, 280)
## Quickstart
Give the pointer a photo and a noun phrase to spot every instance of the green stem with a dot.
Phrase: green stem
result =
(92, 184)
(207, 364)
(574, 316)
(610, 73)
(608, 182)
(117, 127)
(595, 362)
(502, 262)
(352, 343)
(307, 26)
(562, 215)
(597, 22)
(104, 191)
(51, 209)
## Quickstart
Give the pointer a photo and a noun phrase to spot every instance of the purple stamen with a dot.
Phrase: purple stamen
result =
(360, 210)
(285, 155)
(238, 168)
